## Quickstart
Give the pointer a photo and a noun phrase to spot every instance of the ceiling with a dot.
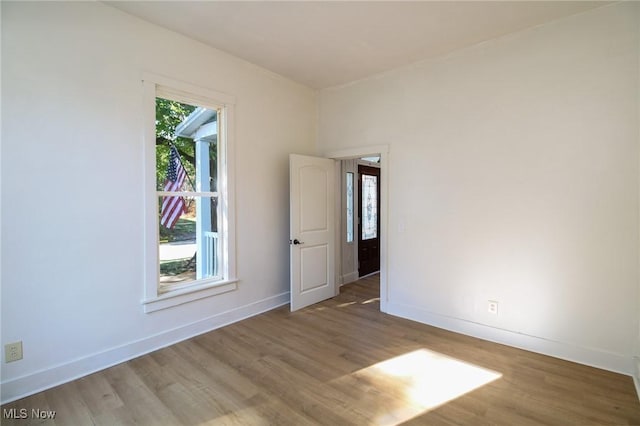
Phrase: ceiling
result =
(328, 43)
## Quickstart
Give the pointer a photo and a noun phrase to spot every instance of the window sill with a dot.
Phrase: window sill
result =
(188, 294)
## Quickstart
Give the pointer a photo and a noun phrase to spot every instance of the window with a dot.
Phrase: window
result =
(189, 233)
(187, 153)
(349, 207)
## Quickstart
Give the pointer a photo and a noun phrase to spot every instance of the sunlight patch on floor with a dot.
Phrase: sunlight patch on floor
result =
(420, 381)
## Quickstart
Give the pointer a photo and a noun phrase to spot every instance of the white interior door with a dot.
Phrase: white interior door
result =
(312, 233)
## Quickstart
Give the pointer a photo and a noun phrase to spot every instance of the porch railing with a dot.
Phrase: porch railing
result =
(210, 246)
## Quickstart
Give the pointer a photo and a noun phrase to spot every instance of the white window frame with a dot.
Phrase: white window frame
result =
(164, 87)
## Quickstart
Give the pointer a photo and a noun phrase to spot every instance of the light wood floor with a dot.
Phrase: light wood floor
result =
(337, 363)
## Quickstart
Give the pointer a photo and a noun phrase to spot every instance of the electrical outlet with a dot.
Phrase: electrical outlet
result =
(492, 307)
(13, 352)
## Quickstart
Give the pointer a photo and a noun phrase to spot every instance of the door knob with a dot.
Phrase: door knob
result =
(296, 242)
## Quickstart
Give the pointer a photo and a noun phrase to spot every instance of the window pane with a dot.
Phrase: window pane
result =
(189, 246)
(369, 207)
(169, 114)
(349, 207)
(193, 132)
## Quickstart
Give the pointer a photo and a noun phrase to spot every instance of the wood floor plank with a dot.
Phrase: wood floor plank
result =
(98, 395)
(143, 405)
(340, 362)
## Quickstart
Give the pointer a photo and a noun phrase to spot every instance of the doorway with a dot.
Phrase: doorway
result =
(344, 262)
(368, 220)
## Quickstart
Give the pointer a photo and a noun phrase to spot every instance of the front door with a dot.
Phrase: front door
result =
(312, 233)
(368, 220)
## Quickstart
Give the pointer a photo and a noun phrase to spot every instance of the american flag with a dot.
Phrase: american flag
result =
(173, 206)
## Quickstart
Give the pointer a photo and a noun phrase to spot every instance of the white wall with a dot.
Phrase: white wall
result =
(513, 176)
(72, 201)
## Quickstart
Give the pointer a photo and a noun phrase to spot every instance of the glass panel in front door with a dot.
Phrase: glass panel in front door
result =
(369, 207)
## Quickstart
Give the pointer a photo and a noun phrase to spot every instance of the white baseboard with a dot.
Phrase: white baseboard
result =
(348, 278)
(21, 387)
(583, 355)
